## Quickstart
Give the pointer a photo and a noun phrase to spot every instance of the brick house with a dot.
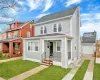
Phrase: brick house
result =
(13, 44)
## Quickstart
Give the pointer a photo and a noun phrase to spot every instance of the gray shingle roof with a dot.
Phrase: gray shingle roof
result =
(57, 15)
(89, 37)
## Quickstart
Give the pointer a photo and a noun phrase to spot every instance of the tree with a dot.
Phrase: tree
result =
(5, 7)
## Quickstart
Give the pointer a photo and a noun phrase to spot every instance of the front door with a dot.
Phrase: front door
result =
(51, 48)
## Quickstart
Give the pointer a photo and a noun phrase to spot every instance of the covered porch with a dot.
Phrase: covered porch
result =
(12, 47)
(57, 50)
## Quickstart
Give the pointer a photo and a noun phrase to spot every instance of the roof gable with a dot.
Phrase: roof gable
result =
(64, 13)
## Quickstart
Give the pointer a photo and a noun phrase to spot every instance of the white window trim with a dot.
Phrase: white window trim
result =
(44, 29)
(57, 24)
(34, 42)
(56, 47)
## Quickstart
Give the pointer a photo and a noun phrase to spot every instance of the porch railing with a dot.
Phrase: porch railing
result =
(55, 57)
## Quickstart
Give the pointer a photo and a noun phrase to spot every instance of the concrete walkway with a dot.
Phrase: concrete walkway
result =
(11, 59)
(1, 78)
(71, 74)
(89, 72)
(28, 73)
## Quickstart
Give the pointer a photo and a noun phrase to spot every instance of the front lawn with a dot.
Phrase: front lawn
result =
(4, 57)
(96, 75)
(81, 71)
(51, 73)
(13, 68)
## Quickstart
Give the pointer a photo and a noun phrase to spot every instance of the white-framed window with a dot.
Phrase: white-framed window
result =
(43, 30)
(58, 46)
(16, 34)
(28, 34)
(33, 46)
(30, 25)
(12, 26)
(57, 27)
(9, 35)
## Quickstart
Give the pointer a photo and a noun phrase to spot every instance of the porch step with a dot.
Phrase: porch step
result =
(47, 62)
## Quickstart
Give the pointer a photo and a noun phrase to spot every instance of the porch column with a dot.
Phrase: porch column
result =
(23, 47)
(11, 49)
(64, 52)
(41, 49)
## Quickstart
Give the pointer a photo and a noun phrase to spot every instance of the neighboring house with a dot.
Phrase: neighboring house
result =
(2, 37)
(13, 42)
(88, 43)
(56, 38)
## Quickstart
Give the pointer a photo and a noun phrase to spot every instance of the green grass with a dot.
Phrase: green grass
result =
(51, 73)
(81, 71)
(3, 58)
(96, 75)
(13, 68)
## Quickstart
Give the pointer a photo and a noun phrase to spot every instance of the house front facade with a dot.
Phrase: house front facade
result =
(56, 38)
(12, 45)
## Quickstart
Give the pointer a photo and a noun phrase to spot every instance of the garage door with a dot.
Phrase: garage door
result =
(87, 49)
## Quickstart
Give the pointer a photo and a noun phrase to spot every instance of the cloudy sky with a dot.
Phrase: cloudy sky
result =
(35, 9)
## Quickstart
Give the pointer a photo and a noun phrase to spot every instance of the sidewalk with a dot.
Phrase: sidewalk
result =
(11, 59)
(71, 74)
(1, 78)
(28, 73)
(89, 72)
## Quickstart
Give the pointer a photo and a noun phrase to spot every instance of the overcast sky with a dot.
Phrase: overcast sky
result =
(35, 9)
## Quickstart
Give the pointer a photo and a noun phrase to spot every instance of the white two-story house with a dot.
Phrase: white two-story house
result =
(57, 38)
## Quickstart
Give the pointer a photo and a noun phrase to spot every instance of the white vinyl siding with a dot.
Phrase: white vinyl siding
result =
(63, 29)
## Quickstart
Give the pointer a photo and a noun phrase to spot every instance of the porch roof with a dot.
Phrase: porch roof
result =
(56, 35)
(7, 40)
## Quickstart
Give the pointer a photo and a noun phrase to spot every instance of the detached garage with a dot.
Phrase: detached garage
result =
(88, 48)
(88, 43)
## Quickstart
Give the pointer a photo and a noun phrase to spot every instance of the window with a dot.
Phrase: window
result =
(59, 27)
(45, 29)
(30, 25)
(28, 34)
(33, 46)
(9, 35)
(12, 26)
(41, 30)
(58, 46)
(29, 46)
(16, 46)
(16, 34)
(55, 28)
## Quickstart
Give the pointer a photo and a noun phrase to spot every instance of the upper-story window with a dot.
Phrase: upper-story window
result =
(28, 34)
(45, 29)
(59, 27)
(16, 34)
(9, 35)
(12, 26)
(41, 30)
(30, 25)
(55, 28)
